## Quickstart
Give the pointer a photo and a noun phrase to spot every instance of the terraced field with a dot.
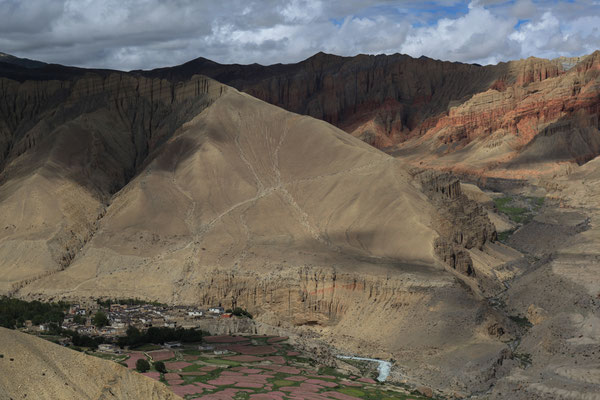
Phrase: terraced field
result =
(258, 368)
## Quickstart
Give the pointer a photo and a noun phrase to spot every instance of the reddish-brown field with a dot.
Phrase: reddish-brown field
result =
(246, 375)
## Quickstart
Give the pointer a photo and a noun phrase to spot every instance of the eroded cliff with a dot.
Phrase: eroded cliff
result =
(461, 222)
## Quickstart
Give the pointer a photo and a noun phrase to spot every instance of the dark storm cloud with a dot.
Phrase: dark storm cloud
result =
(128, 34)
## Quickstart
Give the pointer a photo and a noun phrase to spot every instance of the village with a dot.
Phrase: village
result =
(111, 321)
(173, 345)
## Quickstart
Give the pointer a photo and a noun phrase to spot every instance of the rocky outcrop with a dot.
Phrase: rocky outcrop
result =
(536, 70)
(532, 127)
(462, 223)
(522, 111)
(455, 256)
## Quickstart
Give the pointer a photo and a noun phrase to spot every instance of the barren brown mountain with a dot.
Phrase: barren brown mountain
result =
(167, 185)
(194, 193)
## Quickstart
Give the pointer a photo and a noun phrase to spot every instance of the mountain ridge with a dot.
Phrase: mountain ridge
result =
(393, 101)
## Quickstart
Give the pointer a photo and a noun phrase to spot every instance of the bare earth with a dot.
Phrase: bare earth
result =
(34, 368)
(250, 205)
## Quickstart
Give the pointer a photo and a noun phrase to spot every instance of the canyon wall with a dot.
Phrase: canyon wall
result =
(527, 129)
(462, 223)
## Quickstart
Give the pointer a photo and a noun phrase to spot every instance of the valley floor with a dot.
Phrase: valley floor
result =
(554, 299)
(257, 367)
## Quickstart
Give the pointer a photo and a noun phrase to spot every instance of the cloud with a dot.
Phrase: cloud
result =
(467, 38)
(548, 36)
(131, 34)
(523, 9)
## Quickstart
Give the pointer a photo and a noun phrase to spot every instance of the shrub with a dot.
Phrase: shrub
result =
(240, 312)
(142, 365)
(160, 367)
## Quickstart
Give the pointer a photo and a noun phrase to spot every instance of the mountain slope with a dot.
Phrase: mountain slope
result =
(518, 131)
(67, 146)
(34, 368)
(245, 204)
(515, 118)
(247, 180)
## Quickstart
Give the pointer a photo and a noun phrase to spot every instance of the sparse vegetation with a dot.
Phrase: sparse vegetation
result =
(14, 312)
(240, 312)
(502, 202)
(330, 371)
(350, 391)
(519, 209)
(220, 361)
(503, 236)
(524, 358)
(521, 321)
(537, 201)
(283, 382)
(517, 214)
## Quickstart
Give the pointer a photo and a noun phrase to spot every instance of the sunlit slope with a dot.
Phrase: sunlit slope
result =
(34, 368)
(250, 188)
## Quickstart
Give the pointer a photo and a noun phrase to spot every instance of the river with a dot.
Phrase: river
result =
(383, 368)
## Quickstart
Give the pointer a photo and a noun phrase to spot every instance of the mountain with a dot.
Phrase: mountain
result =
(21, 62)
(173, 186)
(190, 192)
(35, 368)
(512, 119)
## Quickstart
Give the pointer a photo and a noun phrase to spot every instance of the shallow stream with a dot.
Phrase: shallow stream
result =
(383, 368)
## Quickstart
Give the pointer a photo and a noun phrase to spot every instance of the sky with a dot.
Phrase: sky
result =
(145, 34)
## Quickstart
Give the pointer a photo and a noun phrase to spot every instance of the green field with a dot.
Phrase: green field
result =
(519, 209)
